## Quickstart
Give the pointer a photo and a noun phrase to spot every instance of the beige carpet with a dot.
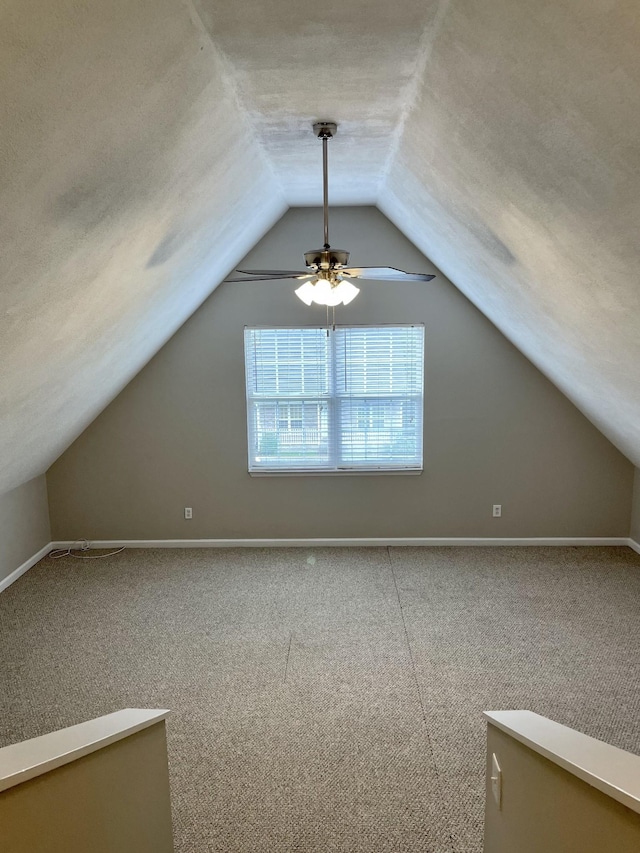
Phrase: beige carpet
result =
(329, 699)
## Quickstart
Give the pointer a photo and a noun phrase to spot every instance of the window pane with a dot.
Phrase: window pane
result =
(379, 361)
(381, 432)
(298, 436)
(287, 362)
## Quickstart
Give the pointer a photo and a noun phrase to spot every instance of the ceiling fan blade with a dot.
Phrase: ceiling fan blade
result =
(384, 274)
(297, 277)
(274, 273)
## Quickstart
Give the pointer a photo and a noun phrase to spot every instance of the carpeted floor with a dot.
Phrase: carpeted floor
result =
(328, 699)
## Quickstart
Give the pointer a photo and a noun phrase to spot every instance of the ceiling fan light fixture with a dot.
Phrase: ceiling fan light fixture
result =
(322, 292)
(328, 277)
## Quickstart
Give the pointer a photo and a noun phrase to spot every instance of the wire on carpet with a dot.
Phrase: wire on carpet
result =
(57, 553)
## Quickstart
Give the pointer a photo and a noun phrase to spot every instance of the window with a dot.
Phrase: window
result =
(347, 399)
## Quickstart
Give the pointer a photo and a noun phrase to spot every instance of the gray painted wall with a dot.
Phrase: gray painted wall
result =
(496, 430)
(635, 510)
(24, 524)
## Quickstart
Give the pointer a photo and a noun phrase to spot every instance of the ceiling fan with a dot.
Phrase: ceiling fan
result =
(328, 279)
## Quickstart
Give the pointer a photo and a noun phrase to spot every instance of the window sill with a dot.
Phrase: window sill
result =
(353, 472)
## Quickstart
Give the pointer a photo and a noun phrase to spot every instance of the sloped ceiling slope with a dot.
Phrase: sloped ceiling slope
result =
(128, 186)
(146, 145)
(518, 174)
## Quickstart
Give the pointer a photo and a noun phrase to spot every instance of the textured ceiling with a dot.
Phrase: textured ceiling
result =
(145, 146)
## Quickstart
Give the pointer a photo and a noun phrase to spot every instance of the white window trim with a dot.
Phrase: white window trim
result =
(344, 471)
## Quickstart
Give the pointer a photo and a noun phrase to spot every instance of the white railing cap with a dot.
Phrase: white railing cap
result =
(607, 768)
(22, 761)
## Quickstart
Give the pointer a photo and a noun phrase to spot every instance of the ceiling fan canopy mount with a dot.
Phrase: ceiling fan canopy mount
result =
(328, 279)
(325, 129)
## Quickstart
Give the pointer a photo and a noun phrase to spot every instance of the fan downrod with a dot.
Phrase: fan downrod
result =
(325, 130)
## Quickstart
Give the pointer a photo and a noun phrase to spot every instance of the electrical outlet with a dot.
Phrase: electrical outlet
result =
(497, 510)
(188, 512)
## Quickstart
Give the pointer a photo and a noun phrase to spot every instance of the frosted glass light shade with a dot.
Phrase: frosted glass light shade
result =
(347, 291)
(306, 292)
(325, 294)
(322, 293)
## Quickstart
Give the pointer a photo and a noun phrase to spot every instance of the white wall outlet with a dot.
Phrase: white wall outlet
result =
(496, 780)
(188, 512)
(497, 510)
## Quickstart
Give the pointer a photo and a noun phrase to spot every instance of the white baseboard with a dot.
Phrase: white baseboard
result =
(399, 542)
(584, 541)
(5, 582)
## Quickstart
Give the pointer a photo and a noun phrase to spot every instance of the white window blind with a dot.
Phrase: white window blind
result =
(350, 399)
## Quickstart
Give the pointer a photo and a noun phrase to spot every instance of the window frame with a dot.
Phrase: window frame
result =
(333, 401)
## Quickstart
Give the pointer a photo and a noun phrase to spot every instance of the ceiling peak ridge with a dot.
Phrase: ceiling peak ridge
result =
(228, 75)
(412, 89)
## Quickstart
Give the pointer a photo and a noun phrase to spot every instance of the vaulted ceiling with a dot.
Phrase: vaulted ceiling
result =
(146, 145)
